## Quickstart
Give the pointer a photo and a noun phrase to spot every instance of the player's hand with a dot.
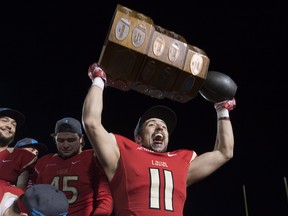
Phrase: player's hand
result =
(227, 104)
(96, 71)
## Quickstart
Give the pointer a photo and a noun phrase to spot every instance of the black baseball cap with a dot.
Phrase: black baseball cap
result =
(43, 199)
(161, 112)
(68, 124)
(14, 114)
(33, 143)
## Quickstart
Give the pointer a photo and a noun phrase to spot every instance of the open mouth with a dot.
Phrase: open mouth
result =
(158, 137)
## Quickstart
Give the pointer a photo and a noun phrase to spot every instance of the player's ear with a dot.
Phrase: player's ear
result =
(138, 138)
(82, 140)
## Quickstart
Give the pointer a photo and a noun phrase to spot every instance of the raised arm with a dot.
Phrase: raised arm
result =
(103, 142)
(205, 164)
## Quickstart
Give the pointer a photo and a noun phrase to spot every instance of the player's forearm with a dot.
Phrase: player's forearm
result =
(93, 104)
(225, 139)
(92, 107)
(22, 180)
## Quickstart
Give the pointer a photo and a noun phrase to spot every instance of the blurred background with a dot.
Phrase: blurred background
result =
(46, 49)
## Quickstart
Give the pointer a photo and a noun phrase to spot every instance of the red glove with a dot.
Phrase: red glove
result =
(223, 108)
(96, 71)
(227, 104)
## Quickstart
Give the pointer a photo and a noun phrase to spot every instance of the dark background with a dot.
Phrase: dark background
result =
(46, 49)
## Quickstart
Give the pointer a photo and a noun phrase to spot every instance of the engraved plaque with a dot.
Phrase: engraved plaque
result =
(192, 77)
(125, 47)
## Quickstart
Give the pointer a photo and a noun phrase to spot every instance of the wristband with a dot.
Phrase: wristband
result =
(222, 114)
(96, 71)
(98, 81)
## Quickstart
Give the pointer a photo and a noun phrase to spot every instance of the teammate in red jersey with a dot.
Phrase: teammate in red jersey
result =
(17, 163)
(144, 178)
(34, 147)
(76, 172)
(42, 199)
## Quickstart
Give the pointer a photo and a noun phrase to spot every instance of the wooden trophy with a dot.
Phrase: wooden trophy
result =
(147, 58)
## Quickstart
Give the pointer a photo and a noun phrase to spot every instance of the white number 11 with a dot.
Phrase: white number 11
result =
(155, 189)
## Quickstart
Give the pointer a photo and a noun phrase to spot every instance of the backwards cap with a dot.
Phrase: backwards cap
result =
(161, 112)
(43, 199)
(14, 114)
(33, 143)
(68, 124)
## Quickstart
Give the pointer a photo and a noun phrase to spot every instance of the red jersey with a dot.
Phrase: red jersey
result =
(81, 178)
(149, 183)
(8, 193)
(13, 161)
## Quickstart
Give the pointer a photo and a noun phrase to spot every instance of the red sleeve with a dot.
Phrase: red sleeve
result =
(15, 161)
(37, 175)
(27, 158)
(7, 187)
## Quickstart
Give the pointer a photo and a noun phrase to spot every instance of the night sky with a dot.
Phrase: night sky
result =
(46, 49)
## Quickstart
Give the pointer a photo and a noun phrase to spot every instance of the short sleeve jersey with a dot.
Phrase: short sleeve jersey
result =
(81, 178)
(149, 183)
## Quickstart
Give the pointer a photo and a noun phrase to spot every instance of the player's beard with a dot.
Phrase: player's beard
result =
(5, 141)
(162, 150)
